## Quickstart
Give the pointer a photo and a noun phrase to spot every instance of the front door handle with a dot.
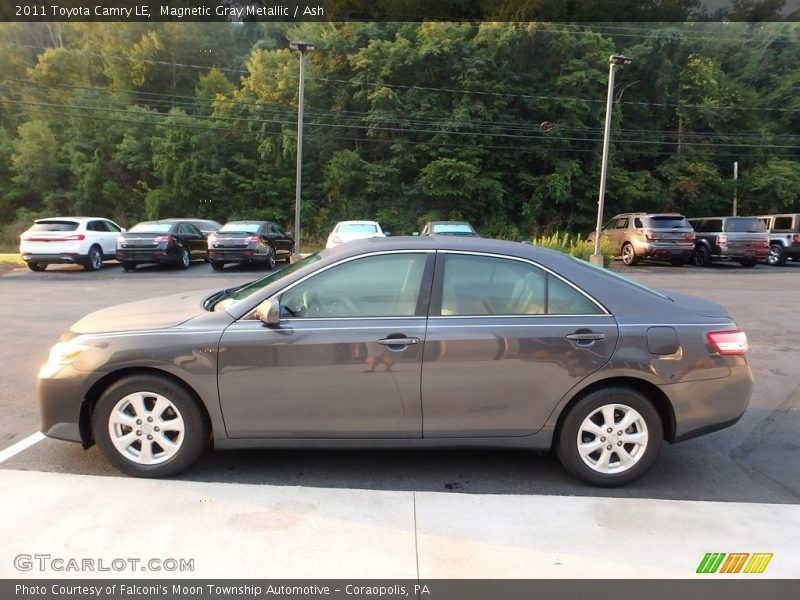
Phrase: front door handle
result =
(586, 337)
(399, 341)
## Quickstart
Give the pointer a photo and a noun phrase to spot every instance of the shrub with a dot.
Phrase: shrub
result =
(576, 246)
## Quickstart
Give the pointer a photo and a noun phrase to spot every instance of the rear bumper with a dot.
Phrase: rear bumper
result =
(665, 250)
(235, 255)
(701, 407)
(147, 255)
(69, 258)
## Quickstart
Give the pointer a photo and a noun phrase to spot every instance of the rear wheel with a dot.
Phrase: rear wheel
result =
(94, 259)
(678, 261)
(149, 426)
(36, 266)
(217, 265)
(702, 256)
(271, 259)
(629, 255)
(776, 256)
(610, 437)
(184, 259)
(128, 266)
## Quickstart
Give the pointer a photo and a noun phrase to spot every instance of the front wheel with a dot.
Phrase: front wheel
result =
(149, 426)
(610, 437)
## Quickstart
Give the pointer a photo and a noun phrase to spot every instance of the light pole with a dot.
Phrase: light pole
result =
(613, 62)
(302, 48)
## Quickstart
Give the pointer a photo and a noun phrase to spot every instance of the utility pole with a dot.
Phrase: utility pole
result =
(735, 187)
(302, 48)
(613, 63)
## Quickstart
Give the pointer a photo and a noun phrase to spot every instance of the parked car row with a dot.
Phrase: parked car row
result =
(89, 241)
(671, 236)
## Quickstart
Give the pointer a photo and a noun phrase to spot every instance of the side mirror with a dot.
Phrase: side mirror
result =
(415, 233)
(123, 230)
(269, 312)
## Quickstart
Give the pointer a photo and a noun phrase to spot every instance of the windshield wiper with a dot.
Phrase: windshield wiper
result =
(221, 295)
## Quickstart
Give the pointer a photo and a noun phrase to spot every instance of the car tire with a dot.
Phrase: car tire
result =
(128, 266)
(94, 260)
(171, 441)
(217, 265)
(776, 256)
(271, 259)
(748, 262)
(36, 266)
(184, 258)
(583, 441)
(678, 261)
(701, 256)
(629, 257)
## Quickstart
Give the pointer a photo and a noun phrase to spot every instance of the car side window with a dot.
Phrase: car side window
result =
(484, 285)
(112, 226)
(637, 223)
(782, 224)
(95, 226)
(622, 223)
(385, 285)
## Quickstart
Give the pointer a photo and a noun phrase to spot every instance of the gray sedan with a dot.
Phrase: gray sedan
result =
(403, 342)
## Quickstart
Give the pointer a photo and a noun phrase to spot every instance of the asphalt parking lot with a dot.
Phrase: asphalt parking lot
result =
(754, 461)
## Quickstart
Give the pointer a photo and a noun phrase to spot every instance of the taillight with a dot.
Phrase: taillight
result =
(163, 239)
(76, 238)
(796, 237)
(648, 234)
(765, 244)
(212, 239)
(690, 236)
(722, 240)
(728, 342)
(251, 239)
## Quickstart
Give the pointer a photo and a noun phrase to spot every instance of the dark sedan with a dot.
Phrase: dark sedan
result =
(249, 242)
(206, 226)
(398, 343)
(172, 242)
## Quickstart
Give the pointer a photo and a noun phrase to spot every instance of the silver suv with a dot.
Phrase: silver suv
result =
(635, 236)
(784, 238)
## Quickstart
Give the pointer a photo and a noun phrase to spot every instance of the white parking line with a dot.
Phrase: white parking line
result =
(20, 446)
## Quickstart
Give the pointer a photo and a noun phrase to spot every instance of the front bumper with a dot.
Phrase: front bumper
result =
(62, 407)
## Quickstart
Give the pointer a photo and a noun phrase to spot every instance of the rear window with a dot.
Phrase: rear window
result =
(668, 222)
(54, 226)
(357, 228)
(462, 228)
(241, 227)
(151, 228)
(745, 225)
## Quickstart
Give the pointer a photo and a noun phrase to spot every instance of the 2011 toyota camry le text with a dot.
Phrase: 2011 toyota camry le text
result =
(403, 342)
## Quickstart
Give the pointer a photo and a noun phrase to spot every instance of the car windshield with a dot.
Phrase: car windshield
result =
(357, 228)
(245, 291)
(54, 226)
(611, 273)
(151, 228)
(455, 228)
(242, 227)
(665, 222)
(745, 225)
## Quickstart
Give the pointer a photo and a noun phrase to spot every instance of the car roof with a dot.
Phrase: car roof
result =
(76, 219)
(357, 223)
(247, 221)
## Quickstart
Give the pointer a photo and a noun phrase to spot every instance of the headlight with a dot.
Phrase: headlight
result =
(62, 354)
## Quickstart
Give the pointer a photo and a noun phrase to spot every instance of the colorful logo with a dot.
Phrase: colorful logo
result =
(735, 562)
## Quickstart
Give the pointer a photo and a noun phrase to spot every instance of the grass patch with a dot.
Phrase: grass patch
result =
(10, 261)
(576, 246)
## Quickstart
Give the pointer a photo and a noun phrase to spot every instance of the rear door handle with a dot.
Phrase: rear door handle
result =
(405, 341)
(585, 337)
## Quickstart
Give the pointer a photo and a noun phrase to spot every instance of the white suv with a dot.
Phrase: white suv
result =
(347, 231)
(86, 241)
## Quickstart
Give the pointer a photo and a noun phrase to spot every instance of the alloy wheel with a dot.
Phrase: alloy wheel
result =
(612, 439)
(146, 428)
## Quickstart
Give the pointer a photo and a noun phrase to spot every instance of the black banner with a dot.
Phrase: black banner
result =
(586, 11)
(434, 589)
